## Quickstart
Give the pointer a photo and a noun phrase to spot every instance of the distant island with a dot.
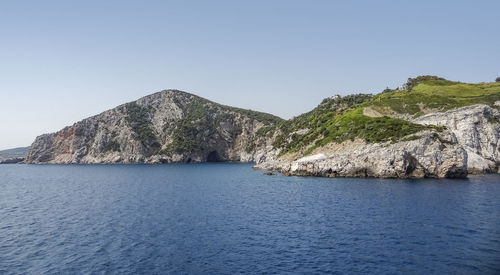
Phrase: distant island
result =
(428, 127)
(14, 155)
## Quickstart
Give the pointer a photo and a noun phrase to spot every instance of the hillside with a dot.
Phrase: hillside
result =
(375, 135)
(428, 127)
(428, 94)
(169, 126)
(13, 155)
(380, 118)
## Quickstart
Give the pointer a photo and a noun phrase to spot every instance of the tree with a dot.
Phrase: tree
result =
(498, 79)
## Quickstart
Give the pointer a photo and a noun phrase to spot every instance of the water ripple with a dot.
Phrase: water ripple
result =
(228, 218)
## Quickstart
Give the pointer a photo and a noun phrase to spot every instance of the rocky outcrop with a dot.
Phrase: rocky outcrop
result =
(426, 156)
(16, 155)
(169, 126)
(174, 126)
(476, 129)
(11, 160)
(468, 144)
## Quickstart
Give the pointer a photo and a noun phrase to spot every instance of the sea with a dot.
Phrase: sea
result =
(227, 218)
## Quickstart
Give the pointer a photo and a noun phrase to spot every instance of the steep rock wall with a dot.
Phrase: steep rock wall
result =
(469, 144)
(169, 126)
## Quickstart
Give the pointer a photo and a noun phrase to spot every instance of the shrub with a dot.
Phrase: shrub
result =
(493, 120)
(264, 130)
(138, 119)
(112, 145)
(412, 82)
(250, 147)
(316, 120)
(435, 95)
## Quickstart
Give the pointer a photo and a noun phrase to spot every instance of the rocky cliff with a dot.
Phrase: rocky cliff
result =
(15, 155)
(168, 126)
(429, 127)
(476, 130)
(468, 143)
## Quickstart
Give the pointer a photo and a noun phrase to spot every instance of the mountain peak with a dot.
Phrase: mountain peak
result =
(166, 126)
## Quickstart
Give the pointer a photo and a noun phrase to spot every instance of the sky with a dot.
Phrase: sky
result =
(63, 61)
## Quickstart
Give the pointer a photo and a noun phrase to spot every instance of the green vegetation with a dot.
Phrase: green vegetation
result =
(263, 131)
(498, 79)
(138, 119)
(331, 127)
(316, 121)
(265, 118)
(185, 136)
(387, 90)
(112, 146)
(203, 118)
(430, 79)
(436, 136)
(493, 120)
(354, 124)
(336, 119)
(341, 119)
(250, 147)
(435, 95)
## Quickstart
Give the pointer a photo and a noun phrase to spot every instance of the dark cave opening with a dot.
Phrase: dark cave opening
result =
(213, 157)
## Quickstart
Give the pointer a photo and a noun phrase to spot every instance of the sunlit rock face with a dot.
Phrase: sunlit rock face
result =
(469, 144)
(476, 129)
(169, 126)
(174, 126)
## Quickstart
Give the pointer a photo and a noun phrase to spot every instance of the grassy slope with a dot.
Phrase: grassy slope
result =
(336, 120)
(439, 95)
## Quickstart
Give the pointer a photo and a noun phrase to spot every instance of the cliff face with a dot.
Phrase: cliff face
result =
(434, 128)
(169, 126)
(430, 127)
(470, 143)
(476, 129)
(15, 155)
(423, 157)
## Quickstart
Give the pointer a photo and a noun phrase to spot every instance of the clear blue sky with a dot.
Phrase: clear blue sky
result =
(62, 61)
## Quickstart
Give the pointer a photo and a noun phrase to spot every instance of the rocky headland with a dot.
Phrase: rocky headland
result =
(428, 127)
(16, 155)
(165, 127)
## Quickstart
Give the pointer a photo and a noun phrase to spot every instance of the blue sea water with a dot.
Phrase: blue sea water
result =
(228, 218)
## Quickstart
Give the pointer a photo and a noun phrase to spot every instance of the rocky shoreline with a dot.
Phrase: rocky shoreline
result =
(12, 160)
(170, 126)
(390, 135)
(469, 145)
(12, 156)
